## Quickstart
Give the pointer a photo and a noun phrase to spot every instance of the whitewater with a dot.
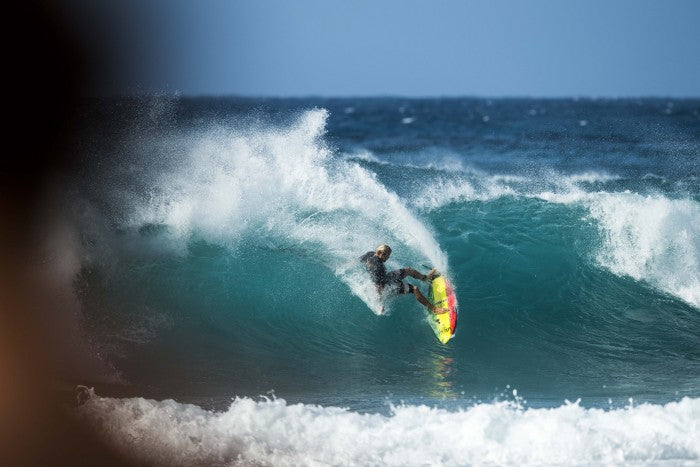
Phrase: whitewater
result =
(272, 432)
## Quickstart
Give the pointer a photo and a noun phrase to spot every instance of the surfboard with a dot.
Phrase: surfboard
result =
(442, 296)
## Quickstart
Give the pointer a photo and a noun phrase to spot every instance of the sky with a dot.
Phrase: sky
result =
(496, 48)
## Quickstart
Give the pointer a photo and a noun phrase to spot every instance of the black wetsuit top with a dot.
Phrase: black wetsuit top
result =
(380, 277)
(375, 267)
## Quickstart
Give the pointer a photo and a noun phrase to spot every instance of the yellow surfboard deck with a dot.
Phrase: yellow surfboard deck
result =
(442, 296)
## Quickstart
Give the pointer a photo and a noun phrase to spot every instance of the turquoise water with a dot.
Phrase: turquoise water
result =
(219, 241)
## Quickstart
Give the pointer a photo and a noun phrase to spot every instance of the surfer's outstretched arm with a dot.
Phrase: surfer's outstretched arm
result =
(415, 274)
(421, 277)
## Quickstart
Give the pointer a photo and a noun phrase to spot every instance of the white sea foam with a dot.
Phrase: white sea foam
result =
(365, 156)
(284, 186)
(650, 238)
(272, 432)
(442, 162)
(475, 185)
(448, 191)
(590, 177)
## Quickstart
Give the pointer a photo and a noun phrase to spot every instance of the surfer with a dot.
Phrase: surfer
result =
(393, 280)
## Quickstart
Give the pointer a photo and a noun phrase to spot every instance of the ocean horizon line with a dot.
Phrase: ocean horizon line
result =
(176, 94)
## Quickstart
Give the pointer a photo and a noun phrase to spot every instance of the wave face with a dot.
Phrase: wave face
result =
(214, 244)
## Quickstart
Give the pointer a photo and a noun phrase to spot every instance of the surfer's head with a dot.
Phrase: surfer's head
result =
(383, 252)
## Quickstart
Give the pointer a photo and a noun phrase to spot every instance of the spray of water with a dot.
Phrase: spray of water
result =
(281, 187)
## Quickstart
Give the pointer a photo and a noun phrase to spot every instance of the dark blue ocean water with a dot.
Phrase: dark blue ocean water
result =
(218, 241)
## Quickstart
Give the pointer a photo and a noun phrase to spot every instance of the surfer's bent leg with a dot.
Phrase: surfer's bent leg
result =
(421, 298)
(424, 301)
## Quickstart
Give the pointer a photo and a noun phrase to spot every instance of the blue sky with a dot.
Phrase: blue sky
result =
(411, 48)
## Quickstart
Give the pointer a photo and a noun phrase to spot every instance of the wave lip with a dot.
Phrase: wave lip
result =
(271, 432)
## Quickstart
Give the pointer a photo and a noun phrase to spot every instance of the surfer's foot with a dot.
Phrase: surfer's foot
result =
(431, 275)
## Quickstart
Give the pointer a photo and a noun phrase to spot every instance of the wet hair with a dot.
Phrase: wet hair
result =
(383, 247)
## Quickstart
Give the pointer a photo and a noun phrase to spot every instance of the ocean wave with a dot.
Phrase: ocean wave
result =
(649, 237)
(272, 432)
